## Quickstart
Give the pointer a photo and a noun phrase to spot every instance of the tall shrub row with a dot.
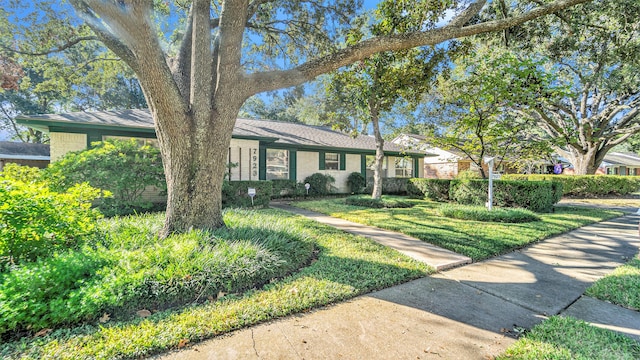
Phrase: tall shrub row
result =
(537, 196)
(587, 185)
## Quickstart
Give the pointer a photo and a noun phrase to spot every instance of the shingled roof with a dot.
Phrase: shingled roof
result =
(24, 151)
(282, 133)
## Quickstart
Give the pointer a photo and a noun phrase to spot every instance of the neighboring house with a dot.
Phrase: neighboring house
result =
(446, 164)
(620, 163)
(36, 155)
(262, 150)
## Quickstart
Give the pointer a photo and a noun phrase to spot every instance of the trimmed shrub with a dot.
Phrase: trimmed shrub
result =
(287, 189)
(536, 196)
(432, 189)
(236, 193)
(321, 184)
(124, 168)
(481, 213)
(390, 186)
(587, 185)
(367, 201)
(35, 222)
(356, 182)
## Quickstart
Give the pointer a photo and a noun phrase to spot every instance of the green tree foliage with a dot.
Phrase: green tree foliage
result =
(85, 76)
(363, 92)
(593, 102)
(474, 108)
(124, 168)
(35, 221)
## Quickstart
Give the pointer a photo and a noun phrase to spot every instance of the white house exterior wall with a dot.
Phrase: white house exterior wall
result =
(62, 143)
(244, 153)
(352, 165)
(307, 164)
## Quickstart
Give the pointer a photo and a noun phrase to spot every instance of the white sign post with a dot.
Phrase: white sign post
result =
(252, 193)
(307, 186)
(489, 162)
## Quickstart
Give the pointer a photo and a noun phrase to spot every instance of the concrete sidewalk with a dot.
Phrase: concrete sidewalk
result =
(470, 312)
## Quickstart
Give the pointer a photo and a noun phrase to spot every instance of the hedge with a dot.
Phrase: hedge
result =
(287, 189)
(432, 189)
(539, 196)
(587, 185)
(390, 186)
(235, 193)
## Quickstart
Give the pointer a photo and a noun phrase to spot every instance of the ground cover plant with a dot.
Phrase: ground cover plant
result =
(621, 287)
(133, 269)
(478, 240)
(336, 266)
(481, 213)
(567, 338)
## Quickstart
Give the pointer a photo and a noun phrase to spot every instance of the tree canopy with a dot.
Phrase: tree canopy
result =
(593, 102)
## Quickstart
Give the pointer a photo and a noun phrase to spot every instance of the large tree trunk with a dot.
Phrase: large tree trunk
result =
(377, 167)
(584, 162)
(194, 172)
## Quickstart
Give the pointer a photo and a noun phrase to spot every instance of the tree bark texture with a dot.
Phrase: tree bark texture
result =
(377, 167)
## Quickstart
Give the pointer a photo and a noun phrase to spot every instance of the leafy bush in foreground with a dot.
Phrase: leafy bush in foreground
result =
(35, 222)
(124, 168)
(384, 202)
(480, 213)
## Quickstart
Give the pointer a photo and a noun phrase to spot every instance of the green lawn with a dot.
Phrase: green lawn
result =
(621, 287)
(562, 338)
(478, 240)
(345, 266)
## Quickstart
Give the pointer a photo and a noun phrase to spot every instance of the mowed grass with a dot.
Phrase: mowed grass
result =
(562, 338)
(621, 287)
(345, 266)
(475, 239)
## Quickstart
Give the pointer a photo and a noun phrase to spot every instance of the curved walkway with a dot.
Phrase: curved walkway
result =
(437, 257)
(470, 312)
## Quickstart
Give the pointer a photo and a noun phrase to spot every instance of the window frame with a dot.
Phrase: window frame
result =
(283, 163)
(404, 170)
(335, 163)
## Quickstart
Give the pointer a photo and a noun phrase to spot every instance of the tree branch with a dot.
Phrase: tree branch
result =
(111, 40)
(232, 25)
(266, 81)
(60, 48)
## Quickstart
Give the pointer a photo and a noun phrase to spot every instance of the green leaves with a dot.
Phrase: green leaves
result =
(124, 168)
(35, 221)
